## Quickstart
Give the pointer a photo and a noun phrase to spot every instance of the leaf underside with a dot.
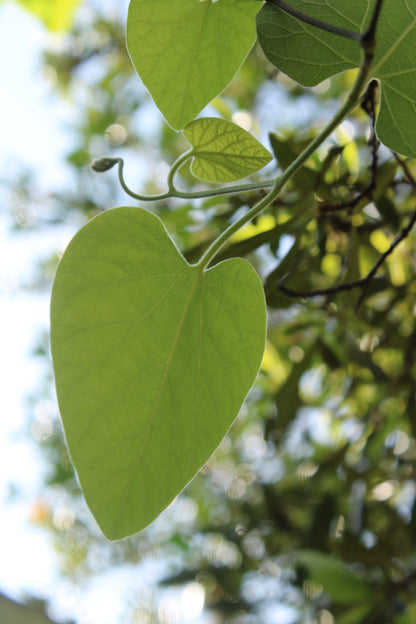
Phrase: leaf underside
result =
(187, 52)
(222, 151)
(152, 357)
(310, 55)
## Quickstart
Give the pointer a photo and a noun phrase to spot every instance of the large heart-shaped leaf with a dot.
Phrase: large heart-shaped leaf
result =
(222, 151)
(188, 51)
(309, 55)
(153, 358)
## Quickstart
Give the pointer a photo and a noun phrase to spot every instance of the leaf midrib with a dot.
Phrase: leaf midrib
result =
(192, 62)
(393, 48)
(157, 401)
(224, 156)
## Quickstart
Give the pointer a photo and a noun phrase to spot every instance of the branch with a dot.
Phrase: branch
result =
(408, 174)
(363, 283)
(313, 21)
(401, 236)
(320, 292)
(369, 34)
(367, 54)
(369, 106)
(367, 37)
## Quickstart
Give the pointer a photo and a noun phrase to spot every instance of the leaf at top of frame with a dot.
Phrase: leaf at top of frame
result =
(188, 51)
(310, 55)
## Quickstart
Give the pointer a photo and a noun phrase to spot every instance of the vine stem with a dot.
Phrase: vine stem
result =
(172, 190)
(177, 165)
(128, 190)
(313, 21)
(367, 44)
(368, 47)
(331, 28)
(225, 190)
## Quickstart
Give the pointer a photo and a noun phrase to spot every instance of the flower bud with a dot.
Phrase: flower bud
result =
(104, 164)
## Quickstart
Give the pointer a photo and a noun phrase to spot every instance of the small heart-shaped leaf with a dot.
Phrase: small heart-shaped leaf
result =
(222, 151)
(309, 55)
(153, 358)
(188, 51)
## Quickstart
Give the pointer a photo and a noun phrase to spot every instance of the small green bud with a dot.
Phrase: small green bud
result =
(104, 164)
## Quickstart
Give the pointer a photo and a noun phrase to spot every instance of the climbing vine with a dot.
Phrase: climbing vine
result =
(153, 355)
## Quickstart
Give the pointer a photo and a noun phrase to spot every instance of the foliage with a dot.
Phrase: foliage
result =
(285, 40)
(202, 361)
(186, 53)
(220, 152)
(223, 152)
(309, 501)
(57, 16)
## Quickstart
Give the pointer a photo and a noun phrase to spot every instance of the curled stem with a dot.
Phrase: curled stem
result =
(367, 43)
(103, 164)
(177, 165)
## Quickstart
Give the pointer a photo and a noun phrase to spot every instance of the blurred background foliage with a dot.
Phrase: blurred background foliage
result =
(306, 513)
(57, 15)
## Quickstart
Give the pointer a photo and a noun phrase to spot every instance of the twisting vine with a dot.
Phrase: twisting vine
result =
(176, 343)
(367, 45)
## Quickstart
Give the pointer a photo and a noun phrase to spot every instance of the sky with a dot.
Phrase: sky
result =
(30, 135)
(33, 120)
(34, 134)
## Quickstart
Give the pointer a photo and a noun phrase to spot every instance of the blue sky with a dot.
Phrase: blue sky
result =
(30, 135)
(32, 119)
(34, 134)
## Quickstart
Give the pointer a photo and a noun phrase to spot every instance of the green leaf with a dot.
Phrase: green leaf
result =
(306, 178)
(188, 51)
(338, 581)
(153, 358)
(310, 55)
(357, 613)
(288, 400)
(222, 151)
